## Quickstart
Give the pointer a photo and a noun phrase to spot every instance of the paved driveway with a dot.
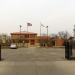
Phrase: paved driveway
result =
(36, 61)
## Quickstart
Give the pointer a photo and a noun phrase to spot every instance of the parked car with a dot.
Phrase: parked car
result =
(13, 46)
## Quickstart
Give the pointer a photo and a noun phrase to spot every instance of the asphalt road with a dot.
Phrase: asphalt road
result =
(36, 61)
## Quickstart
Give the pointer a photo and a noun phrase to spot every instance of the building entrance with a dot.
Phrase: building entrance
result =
(32, 42)
(53, 43)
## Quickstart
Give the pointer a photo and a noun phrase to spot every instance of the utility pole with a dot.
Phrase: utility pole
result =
(20, 35)
(47, 34)
(40, 34)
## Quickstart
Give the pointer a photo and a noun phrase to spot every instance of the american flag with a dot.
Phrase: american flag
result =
(29, 24)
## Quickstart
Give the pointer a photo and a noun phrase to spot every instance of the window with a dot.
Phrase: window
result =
(14, 36)
(21, 36)
(53, 43)
(45, 40)
(21, 41)
(32, 36)
(26, 36)
(39, 41)
(15, 41)
(26, 41)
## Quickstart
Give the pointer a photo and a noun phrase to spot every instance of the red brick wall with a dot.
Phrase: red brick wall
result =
(59, 42)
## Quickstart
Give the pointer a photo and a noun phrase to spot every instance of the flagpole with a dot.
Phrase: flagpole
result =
(40, 34)
(27, 34)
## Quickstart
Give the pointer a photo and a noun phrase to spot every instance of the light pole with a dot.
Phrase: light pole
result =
(47, 33)
(20, 35)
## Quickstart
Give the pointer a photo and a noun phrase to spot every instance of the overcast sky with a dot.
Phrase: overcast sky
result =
(59, 15)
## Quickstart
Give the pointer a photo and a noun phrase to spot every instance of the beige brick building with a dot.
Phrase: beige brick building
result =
(28, 37)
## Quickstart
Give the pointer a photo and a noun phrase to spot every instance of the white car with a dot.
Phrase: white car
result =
(13, 46)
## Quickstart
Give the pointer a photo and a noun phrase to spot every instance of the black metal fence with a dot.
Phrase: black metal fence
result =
(68, 51)
(0, 51)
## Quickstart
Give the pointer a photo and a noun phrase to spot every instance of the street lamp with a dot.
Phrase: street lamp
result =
(20, 35)
(47, 33)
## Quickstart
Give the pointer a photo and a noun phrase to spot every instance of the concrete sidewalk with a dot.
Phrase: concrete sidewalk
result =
(36, 61)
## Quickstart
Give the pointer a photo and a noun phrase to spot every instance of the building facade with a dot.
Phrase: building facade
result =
(29, 38)
(58, 42)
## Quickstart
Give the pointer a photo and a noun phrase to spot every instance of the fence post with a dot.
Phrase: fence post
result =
(0, 51)
(71, 49)
(67, 50)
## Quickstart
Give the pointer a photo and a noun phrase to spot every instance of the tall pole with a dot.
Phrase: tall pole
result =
(47, 34)
(20, 35)
(27, 34)
(74, 32)
(40, 34)
(66, 37)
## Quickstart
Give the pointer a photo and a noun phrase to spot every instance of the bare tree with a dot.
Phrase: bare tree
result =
(67, 34)
(64, 35)
(61, 34)
(53, 35)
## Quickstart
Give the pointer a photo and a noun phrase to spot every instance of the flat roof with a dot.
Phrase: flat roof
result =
(23, 32)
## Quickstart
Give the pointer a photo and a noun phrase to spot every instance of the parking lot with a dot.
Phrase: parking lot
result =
(36, 61)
